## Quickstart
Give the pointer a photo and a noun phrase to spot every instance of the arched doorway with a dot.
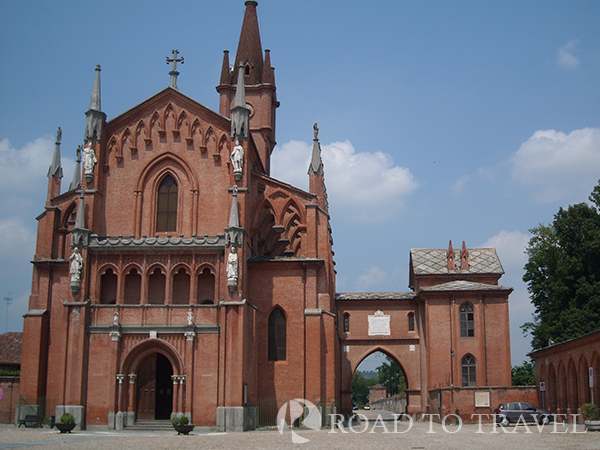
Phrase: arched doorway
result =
(378, 376)
(155, 388)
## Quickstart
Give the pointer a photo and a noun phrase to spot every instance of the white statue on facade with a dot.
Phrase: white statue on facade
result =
(89, 161)
(232, 268)
(190, 317)
(76, 268)
(116, 318)
(237, 160)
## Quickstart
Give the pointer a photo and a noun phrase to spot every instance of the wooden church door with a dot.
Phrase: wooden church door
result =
(146, 394)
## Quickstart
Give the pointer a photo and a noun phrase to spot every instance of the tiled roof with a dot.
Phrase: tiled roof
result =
(374, 295)
(10, 348)
(426, 261)
(462, 285)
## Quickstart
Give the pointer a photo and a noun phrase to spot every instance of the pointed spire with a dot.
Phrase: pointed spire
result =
(55, 170)
(268, 72)
(316, 163)
(239, 112)
(249, 51)
(234, 217)
(450, 257)
(225, 70)
(234, 234)
(95, 100)
(464, 257)
(94, 117)
(79, 233)
(76, 183)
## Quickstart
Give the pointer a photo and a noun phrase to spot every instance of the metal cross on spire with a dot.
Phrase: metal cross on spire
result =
(174, 71)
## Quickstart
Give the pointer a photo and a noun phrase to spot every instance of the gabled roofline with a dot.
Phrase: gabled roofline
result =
(223, 121)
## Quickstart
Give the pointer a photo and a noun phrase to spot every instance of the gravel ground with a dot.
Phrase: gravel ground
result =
(368, 435)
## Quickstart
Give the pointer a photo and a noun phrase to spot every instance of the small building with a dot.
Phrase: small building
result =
(10, 351)
(567, 374)
(377, 392)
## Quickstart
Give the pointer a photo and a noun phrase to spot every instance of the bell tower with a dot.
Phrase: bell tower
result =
(259, 80)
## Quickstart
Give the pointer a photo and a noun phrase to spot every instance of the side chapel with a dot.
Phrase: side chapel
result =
(176, 276)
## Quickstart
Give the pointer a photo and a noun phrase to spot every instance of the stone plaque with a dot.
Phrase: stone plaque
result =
(379, 324)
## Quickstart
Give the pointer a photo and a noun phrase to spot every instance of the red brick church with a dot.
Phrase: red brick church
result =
(176, 276)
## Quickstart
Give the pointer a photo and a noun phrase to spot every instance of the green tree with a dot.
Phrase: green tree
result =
(524, 375)
(392, 377)
(563, 274)
(360, 387)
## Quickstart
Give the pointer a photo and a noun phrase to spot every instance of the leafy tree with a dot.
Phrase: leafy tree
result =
(563, 274)
(524, 375)
(392, 377)
(360, 387)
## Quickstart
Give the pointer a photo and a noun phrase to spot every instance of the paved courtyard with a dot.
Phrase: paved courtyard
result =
(368, 435)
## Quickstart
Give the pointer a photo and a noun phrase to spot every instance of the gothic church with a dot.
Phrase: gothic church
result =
(176, 276)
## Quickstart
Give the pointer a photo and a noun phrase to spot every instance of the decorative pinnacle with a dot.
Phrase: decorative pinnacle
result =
(55, 169)
(174, 71)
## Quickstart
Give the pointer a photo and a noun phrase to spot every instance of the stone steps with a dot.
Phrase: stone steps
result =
(151, 425)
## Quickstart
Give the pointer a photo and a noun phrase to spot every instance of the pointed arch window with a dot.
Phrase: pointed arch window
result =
(346, 323)
(469, 373)
(411, 321)
(277, 336)
(467, 320)
(166, 211)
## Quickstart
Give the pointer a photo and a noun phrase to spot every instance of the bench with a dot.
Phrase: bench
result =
(31, 420)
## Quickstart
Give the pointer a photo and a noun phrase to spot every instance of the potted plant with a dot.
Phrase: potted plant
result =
(591, 414)
(66, 423)
(182, 425)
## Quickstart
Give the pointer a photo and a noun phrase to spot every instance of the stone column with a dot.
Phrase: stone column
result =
(131, 407)
(175, 379)
(120, 378)
(182, 392)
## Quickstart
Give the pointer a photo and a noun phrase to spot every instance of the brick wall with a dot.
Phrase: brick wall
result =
(10, 398)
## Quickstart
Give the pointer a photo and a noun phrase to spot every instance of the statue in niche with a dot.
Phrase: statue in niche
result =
(232, 268)
(237, 160)
(89, 161)
(116, 318)
(190, 317)
(76, 268)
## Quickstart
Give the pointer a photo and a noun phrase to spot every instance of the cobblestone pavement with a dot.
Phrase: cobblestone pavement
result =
(371, 434)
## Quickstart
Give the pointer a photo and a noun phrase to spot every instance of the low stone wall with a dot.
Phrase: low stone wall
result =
(395, 404)
(10, 398)
(471, 401)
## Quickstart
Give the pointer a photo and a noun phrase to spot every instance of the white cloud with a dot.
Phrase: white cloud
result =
(22, 238)
(372, 276)
(565, 57)
(558, 166)
(458, 186)
(361, 186)
(510, 246)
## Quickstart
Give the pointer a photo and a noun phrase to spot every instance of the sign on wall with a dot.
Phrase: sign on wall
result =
(379, 324)
(482, 399)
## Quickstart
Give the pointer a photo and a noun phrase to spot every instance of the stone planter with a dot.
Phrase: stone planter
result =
(592, 425)
(65, 427)
(183, 429)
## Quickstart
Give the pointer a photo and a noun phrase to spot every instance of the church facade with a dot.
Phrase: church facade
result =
(176, 276)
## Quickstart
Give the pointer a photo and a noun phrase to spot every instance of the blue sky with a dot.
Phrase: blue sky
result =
(462, 120)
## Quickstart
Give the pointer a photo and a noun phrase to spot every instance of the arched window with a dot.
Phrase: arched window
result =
(156, 287)
(411, 321)
(166, 210)
(346, 323)
(206, 287)
(108, 288)
(277, 336)
(133, 287)
(467, 321)
(469, 374)
(181, 288)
